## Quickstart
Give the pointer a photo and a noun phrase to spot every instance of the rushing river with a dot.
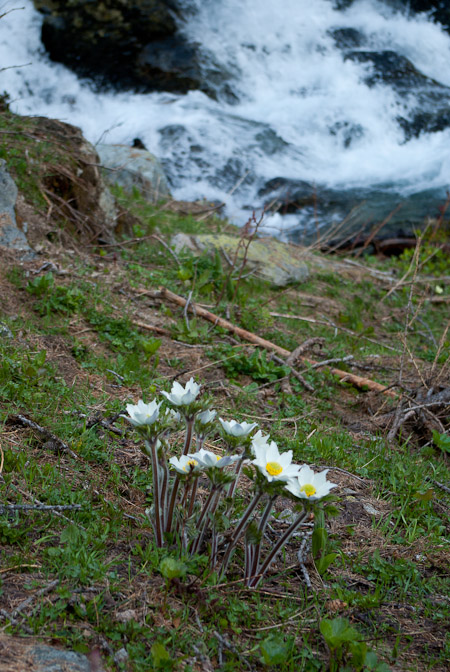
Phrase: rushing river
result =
(300, 96)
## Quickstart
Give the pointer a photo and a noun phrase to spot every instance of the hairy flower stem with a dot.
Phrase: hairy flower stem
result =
(238, 531)
(255, 581)
(176, 483)
(164, 475)
(187, 488)
(249, 553)
(151, 445)
(202, 521)
(189, 433)
(232, 487)
(256, 548)
(193, 495)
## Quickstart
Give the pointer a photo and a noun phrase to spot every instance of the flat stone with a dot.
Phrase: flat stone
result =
(272, 260)
(49, 659)
(132, 168)
(19, 654)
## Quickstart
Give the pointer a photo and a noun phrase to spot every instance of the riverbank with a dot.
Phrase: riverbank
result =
(89, 324)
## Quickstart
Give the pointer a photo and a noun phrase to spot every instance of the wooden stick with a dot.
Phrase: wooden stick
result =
(358, 381)
(151, 327)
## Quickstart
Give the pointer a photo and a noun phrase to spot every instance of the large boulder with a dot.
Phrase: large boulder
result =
(73, 182)
(131, 168)
(19, 654)
(10, 235)
(270, 259)
(361, 208)
(124, 43)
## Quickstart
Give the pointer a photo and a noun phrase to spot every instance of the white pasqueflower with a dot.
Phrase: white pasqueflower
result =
(206, 416)
(185, 464)
(237, 429)
(259, 440)
(142, 414)
(275, 466)
(309, 485)
(208, 459)
(182, 396)
(173, 415)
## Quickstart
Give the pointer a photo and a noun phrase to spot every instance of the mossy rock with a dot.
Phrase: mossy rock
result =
(277, 262)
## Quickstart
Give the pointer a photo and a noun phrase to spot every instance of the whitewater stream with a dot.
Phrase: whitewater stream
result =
(298, 98)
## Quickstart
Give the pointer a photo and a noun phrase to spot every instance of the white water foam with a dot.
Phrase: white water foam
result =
(297, 98)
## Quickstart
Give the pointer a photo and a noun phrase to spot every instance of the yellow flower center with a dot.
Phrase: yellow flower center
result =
(190, 464)
(273, 468)
(308, 489)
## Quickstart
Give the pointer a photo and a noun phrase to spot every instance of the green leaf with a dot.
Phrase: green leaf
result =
(150, 347)
(324, 562)
(425, 496)
(171, 568)
(319, 541)
(275, 650)
(72, 534)
(337, 631)
(442, 441)
(159, 654)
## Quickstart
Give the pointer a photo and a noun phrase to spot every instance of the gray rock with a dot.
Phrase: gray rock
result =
(49, 659)
(5, 331)
(121, 656)
(131, 168)
(271, 260)
(10, 235)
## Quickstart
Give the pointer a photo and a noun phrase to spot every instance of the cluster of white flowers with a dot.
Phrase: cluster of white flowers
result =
(274, 474)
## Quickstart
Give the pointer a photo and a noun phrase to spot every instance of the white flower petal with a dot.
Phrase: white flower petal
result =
(237, 429)
(183, 396)
(185, 464)
(142, 414)
(309, 485)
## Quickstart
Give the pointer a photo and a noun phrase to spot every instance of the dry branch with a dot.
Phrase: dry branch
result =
(352, 378)
(54, 441)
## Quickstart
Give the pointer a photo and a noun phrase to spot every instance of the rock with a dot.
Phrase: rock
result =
(121, 656)
(361, 208)
(348, 38)
(371, 510)
(127, 44)
(5, 331)
(388, 67)
(78, 192)
(130, 168)
(127, 615)
(169, 64)
(277, 262)
(10, 235)
(19, 654)
(439, 9)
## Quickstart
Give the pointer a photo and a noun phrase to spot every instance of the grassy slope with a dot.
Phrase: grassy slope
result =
(76, 357)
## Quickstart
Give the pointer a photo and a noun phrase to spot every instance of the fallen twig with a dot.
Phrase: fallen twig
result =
(333, 360)
(443, 487)
(352, 378)
(38, 507)
(293, 372)
(43, 591)
(151, 327)
(56, 443)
